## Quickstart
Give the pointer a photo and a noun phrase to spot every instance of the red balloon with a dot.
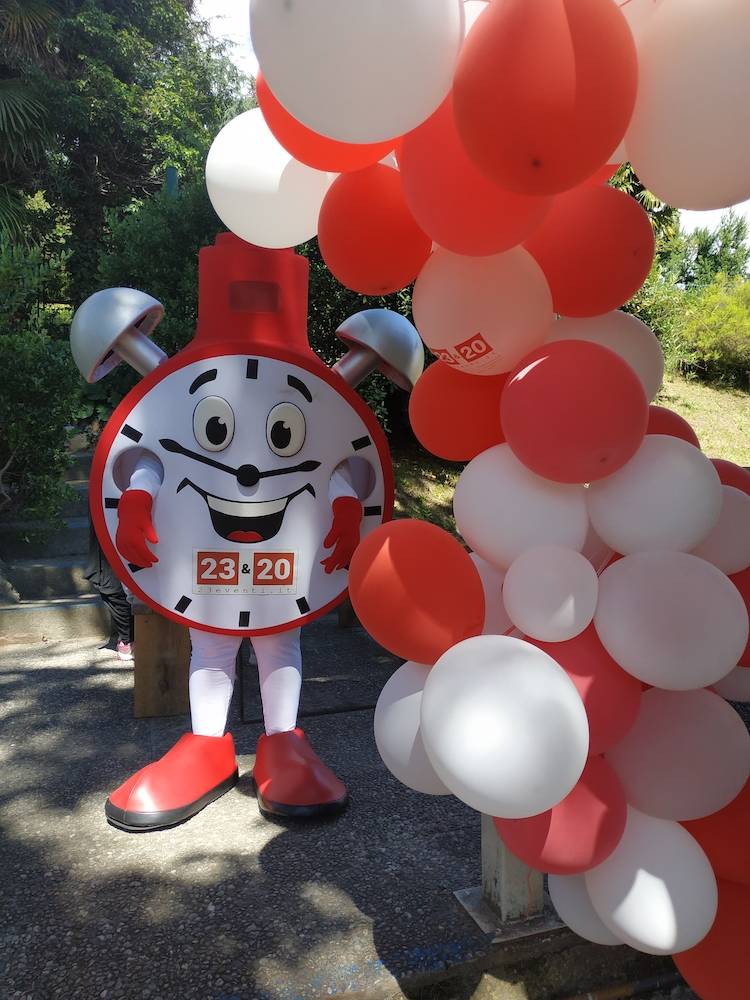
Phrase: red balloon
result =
(716, 969)
(415, 590)
(543, 92)
(367, 236)
(453, 201)
(454, 415)
(578, 833)
(604, 174)
(308, 147)
(574, 412)
(742, 583)
(664, 421)
(732, 475)
(724, 837)
(611, 697)
(596, 247)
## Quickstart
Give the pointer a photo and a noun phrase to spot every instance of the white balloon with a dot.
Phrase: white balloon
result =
(657, 892)
(258, 190)
(596, 551)
(638, 14)
(687, 756)
(692, 65)
(625, 335)
(397, 732)
(504, 726)
(728, 545)
(735, 686)
(671, 619)
(550, 593)
(502, 509)
(571, 900)
(472, 10)
(358, 72)
(496, 620)
(668, 496)
(482, 314)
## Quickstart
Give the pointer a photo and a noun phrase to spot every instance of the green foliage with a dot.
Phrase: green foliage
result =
(40, 384)
(664, 218)
(714, 332)
(705, 254)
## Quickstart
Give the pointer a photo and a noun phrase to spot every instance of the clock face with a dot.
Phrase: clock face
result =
(247, 445)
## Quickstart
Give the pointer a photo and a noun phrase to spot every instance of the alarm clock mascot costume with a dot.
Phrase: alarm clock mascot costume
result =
(229, 491)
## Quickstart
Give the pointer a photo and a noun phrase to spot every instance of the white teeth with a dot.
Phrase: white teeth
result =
(237, 508)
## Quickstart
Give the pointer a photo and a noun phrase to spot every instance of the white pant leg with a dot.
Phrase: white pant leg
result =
(280, 673)
(212, 668)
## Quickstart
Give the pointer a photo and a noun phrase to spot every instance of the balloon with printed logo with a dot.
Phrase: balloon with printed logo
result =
(731, 474)
(544, 92)
(482, 314)
(503, 726)
(570, 899)
(578, 443)
(460, 208)
(596, 247)
(258, 189)
(578, 833)
(671, 619)
(308, 147)
(635, 509)
(657, 890)
(622, 333)
(687, 756)
(397, 733)
(692, 62)
(415, 590)
(361, 72)
(366, 234)
(454, 415)
(550, 593)
(664, 421)
(728, 544)
(716, 968)
(502, 509)
(610, 696)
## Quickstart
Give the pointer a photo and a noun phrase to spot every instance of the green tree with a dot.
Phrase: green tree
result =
(714, 331)
(708, 253)
(131, 87)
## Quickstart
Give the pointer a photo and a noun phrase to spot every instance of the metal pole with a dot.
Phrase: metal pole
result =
(512, 889)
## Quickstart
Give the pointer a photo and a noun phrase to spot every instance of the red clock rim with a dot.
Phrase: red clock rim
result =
(181, 360)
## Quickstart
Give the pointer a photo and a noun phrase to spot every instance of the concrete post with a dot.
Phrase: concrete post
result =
(513, 890)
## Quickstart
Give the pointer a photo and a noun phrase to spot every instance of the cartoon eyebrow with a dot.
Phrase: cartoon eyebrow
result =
(208, 376)
(295, 383)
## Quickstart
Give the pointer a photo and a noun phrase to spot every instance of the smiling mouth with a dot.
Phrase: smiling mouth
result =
(246, 520)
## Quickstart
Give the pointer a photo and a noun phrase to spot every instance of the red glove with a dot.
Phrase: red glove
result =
(135, 528)
(344, 533)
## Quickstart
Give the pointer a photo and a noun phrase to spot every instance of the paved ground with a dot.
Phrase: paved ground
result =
(227, 906)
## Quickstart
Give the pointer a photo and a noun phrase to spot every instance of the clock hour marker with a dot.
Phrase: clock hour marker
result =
(111, 503)
(361, 443)
(252, 368)
(303, 606)
(372, 511)
(130, 432)
(183, 604)
(244, 621)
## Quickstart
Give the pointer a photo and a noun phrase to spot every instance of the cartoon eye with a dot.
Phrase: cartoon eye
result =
(285, 429)
(213, 423)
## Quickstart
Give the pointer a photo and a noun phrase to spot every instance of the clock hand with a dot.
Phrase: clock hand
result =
(176, 448)
(302, 467)
(247, 475)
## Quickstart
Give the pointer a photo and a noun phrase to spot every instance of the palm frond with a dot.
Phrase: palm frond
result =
(24, 25)
(12, 212)
(21, 120)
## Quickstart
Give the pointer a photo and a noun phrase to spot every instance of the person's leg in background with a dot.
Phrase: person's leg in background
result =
(121, 614)
(290, 779)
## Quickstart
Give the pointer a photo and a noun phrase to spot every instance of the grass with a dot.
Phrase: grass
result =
(720, 417)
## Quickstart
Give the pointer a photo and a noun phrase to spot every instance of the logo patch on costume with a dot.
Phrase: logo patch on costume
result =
(221, 572)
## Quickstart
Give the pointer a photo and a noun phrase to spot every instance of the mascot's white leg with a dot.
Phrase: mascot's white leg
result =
(290, 779)
(212, 669)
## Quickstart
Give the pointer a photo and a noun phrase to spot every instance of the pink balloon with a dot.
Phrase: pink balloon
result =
(578, 833)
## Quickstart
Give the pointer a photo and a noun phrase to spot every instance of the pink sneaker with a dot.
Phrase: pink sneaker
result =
(125, 652)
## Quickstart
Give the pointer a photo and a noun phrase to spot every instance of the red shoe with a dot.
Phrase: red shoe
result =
(197, 770)
(291, 780)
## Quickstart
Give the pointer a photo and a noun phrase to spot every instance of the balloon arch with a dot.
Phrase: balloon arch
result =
(568, 676)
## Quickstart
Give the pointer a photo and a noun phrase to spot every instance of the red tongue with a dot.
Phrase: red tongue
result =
(245, 536)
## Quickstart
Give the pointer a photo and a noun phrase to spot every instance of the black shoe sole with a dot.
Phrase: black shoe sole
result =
(280, 810)
(134, 822)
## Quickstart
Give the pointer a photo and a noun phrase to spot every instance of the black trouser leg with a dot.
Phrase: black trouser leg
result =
(122, 616)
